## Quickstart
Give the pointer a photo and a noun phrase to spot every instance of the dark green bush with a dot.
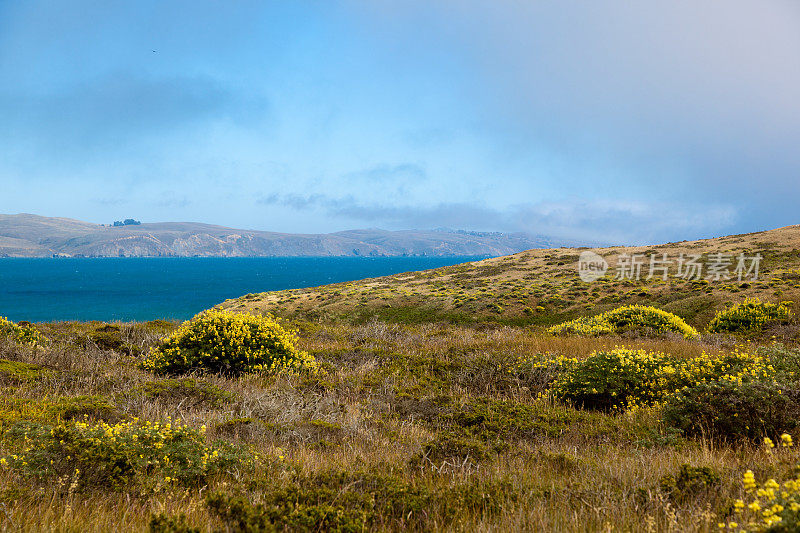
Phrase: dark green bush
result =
(458, 445)
(240, 516)
(784, 359)
(357, 501)
(689, 483)
(728, 410)
(107, 337)
(328, 501)
(483, 426)
(162, 523)
(409, 407)
(491, 419)
(235, 427)
(559, 462)
(500, 421)
(85, 407)
(187, 391)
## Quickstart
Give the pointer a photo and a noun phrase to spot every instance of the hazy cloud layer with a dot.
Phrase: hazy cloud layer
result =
(606, 120)
(614, 222)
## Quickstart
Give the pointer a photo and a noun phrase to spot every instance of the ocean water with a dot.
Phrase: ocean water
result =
(42, 290)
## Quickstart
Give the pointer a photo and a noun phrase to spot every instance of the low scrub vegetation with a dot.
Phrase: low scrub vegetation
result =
(80, 456)
(394, 427)
(340, 500)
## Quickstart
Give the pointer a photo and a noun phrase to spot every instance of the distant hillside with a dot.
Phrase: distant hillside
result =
(27, 235)
(543, 287)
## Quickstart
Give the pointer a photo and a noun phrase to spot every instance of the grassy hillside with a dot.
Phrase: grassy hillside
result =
(542, 287)
(426, 410)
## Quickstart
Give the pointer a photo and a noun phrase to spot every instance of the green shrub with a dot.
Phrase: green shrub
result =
(13, 372)
(161, 523)
(240, 516)
(50, 410)
(483, 427)
(640, 319)
(83, 407)
(690, 482)
(109, 337)
(186, 390)
(24, 334)
(231, 343)
(160, 327)
(459, 445)
(749, 317)
(730, 410)
(784, 359)
(356, 501)
(558, 462)
(408, 407)
(235, 427)
(491, 420)
(115, 456)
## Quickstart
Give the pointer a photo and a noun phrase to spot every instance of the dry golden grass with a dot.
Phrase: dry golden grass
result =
(596, 473)
(542, 287)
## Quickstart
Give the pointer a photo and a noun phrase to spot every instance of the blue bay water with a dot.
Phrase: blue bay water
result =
(41, 290)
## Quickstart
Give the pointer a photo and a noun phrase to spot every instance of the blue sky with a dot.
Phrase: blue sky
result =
(612, 121)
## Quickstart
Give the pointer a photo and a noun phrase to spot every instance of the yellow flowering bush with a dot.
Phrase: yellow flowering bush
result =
(749, 316)
(769, 506)
(642, 319)
(86, 454)
(232, 343)
(25, 334)
(733, 396)
(613, 379)
(623, 377)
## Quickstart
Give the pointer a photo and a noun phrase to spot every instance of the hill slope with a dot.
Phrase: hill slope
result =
(27, 235)
(543, 286)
